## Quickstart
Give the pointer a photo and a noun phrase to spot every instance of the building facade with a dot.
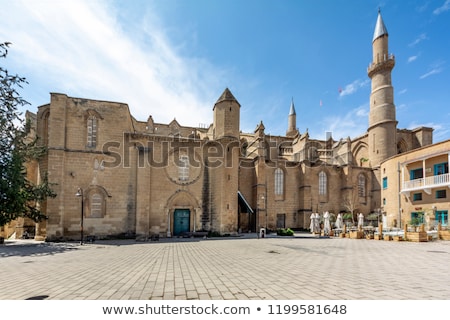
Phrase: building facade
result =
(141, 178)
(416, 186)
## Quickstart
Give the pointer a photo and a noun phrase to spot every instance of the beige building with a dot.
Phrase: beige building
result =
(140, 178)
(416, 186)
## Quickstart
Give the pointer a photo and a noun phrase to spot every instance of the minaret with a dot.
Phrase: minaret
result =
(292, 121)
(382, 122)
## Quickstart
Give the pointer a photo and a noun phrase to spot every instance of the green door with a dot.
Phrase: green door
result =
(181, 221)
(442, 217)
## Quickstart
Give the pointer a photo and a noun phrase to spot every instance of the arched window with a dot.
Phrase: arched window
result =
(96, 206)
(45, 118)
(92, 131)
(361, 185)
(95, 202)
(279, 181)
(183, 168)
(402, 146)
(312, 154)
(322, 183)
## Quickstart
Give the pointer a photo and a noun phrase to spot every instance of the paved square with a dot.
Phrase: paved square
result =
(229, 268)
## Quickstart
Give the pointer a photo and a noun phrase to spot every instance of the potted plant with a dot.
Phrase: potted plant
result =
(417, 235)
(348, 218)
(444, 234)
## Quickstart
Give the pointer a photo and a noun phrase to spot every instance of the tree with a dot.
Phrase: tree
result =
(19, 197)
(351, 203)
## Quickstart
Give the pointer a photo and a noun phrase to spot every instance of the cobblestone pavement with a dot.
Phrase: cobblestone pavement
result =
(246, 268)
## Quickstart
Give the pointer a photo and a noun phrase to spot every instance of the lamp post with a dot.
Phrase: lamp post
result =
(264, 199)
(80, 194)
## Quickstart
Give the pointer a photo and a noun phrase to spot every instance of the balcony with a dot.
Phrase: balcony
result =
(427, 183)
(386, 62)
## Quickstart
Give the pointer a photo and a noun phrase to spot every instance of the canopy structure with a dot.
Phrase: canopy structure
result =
(243, 202)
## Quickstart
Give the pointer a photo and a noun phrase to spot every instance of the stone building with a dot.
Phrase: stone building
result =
(140, 178)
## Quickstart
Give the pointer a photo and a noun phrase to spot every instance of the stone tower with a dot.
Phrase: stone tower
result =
(382, 122)
(226, 116)
(224, 173)
(292, 121)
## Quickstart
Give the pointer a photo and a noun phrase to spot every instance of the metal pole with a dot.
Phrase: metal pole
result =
(265, 202)
(399, 197)
(80, 194)
(257, 221)
(265, 206)
(82, 216)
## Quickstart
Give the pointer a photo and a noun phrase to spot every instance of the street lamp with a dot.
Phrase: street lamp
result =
(80, 194)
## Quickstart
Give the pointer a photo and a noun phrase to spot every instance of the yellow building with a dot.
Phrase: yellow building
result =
(416, 186)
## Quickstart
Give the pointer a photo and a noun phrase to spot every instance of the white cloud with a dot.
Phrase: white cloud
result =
(353, 87)
(443, 8)
(80, 48)
(412, 58)
(435, 69)
(351, 124)
(403, 91)
(423, 7)
(420, 38)
(430, 73)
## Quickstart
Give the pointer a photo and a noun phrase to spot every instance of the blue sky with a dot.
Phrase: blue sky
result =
(173, 59)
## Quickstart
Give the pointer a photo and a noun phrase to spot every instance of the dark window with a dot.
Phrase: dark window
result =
(281, 220)
(417, 196)
(361, 185)
(416, 174)
(440, 168)
(441, 194)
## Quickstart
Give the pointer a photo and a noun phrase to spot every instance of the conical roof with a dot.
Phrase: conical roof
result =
(226, 96)
(292, 110)
(380, 28)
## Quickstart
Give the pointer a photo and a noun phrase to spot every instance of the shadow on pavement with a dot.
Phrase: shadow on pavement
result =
(32, 248)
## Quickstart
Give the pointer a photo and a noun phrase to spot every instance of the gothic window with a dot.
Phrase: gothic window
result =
(183, 168)
(45, 118)
(279, 181)
(244, 147)
(313, 154)
(361, 185)
(92, 131)
(95, 202)
(322, 183)
(96, 205)
(402, 146)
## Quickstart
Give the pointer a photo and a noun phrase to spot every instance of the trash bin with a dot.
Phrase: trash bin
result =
(262, 232)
